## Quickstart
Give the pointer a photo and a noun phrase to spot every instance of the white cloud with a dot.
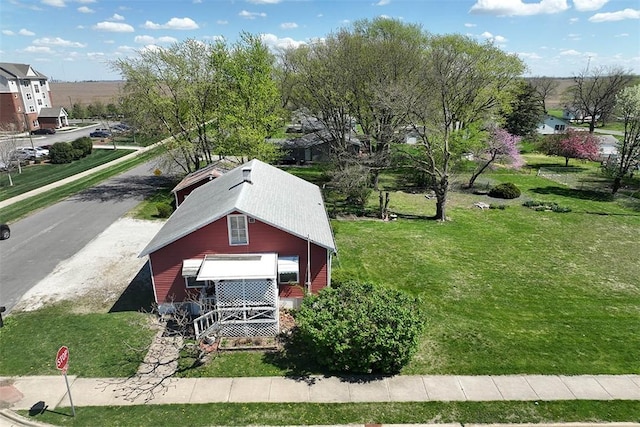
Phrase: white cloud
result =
(173, 24)
(222, 22)
(274, 42)
(86, 1)
(574, 37)
(264, 1)
(468, 25)
(114, 27)
(57, 41)
(288, 25)
(518, 8)
(252, 15)
(570, 52)
(154, 40)
(96, 55)
(8, 33)
(85, 9)
(25, 32)
(117, 17)
(38, 49)
(529, 55)
(54, 3)
(616, 16)
(574, 20)
(622, 35)
(494, 39)
(589, 5)
(383, 2)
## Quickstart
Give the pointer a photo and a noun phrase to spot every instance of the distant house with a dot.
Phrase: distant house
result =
(608, 147)
(551, 125)
(195, 180)
(24, 93)
(315, 146)
(241, 246)
(55, 118)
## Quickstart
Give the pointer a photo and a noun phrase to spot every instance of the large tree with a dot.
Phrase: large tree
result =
(628, 106)
(499, 147)
(525, 112)
(594, 92)
(461, 83)
(544, 87)
(198, 93)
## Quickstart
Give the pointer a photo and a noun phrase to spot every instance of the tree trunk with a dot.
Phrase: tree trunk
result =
(566, 162)
(441, 188)
(617, 183)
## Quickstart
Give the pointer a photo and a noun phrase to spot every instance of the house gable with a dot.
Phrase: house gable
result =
(167, 262)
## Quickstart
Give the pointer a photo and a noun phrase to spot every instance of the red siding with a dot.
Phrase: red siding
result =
(166, 263)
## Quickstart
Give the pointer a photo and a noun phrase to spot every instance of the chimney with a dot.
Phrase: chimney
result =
(246, 174)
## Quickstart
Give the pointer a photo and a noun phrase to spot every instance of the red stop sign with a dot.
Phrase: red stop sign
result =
(62, 358)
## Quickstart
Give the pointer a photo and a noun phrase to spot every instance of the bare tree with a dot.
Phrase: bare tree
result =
(9, 158)
(544, 87)
(628, 158)
(594, 92)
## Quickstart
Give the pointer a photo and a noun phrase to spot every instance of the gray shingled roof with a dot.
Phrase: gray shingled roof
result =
(273, 196)
(20, 71)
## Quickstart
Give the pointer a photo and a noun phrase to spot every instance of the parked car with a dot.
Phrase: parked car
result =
(100, 134)
(43, 131)
(5, 231)
(32, 153)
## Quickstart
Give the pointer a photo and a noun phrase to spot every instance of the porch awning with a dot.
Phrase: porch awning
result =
(190, 267)
(237, 267)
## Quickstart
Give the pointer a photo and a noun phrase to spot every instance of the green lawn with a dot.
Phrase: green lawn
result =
(238, 414)
(36, 176)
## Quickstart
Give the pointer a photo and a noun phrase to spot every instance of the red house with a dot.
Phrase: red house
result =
(240, 247)
(195, 180)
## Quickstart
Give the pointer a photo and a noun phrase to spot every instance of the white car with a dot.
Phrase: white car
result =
(33, 153)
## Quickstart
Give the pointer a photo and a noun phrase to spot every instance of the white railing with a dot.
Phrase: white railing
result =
(205, 324)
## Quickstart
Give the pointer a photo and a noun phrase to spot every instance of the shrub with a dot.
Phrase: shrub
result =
(507, 190)
(84, 144)
(61, 152)
(164, 210)
(539, 206)
(360, 328)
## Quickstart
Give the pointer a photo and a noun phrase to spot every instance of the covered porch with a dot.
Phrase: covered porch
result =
(238, 294)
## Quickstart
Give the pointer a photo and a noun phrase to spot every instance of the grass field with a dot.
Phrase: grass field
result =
(36, 176)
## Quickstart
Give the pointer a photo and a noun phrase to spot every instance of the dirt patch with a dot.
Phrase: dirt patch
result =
(65, 94)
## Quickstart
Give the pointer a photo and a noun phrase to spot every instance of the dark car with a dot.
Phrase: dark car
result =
(43, 131)
(100, 134)
(5, 232)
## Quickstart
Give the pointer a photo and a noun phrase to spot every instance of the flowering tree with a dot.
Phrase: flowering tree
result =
(502, 147)
(574, 145)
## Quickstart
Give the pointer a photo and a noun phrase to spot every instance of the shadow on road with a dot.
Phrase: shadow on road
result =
(123, 187)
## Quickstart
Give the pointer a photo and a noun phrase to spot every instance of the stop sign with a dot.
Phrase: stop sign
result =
(62, 358)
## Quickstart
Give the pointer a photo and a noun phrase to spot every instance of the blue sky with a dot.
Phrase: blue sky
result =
(73, 40)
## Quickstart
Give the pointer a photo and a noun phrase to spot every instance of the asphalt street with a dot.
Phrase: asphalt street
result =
(42, 240)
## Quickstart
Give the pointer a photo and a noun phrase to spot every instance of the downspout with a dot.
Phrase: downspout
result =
(308, 264)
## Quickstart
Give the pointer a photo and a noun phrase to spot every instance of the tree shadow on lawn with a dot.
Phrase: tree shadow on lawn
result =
(138, 296)
(572, 193)
(297, 361)
(557, 167)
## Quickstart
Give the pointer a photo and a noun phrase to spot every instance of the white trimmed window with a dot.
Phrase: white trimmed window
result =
(288, 269)
(190, 268)
(238, 231)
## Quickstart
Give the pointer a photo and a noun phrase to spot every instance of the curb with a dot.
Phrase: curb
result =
(10, 418)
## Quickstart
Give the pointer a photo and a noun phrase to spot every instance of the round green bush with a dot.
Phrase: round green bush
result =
(360, 328)
(507, 190)
(164, 210)
(84, 144)
(61, 152)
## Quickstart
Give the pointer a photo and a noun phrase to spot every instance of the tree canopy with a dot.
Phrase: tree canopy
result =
(211, 98)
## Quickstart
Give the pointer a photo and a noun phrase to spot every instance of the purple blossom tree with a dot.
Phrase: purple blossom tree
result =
(500, 147)
(574, 145)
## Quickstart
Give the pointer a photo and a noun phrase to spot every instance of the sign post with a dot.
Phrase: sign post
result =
(62, 363)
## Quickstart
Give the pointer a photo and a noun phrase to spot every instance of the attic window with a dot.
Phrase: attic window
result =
(238, 230)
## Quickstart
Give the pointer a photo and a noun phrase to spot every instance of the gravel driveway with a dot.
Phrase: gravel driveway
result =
(100, 271)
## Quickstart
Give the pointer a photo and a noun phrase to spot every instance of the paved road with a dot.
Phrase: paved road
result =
(39, 242)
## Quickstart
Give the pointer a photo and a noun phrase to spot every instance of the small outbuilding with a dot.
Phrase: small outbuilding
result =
(240, 247)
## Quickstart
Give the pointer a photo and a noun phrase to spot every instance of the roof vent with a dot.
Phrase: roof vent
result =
(246, 174)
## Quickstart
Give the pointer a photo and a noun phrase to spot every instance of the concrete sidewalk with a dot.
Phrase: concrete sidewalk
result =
(23, 392)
